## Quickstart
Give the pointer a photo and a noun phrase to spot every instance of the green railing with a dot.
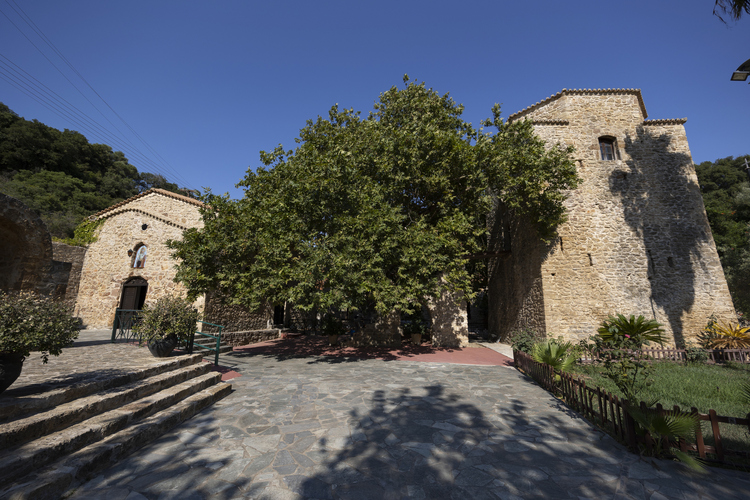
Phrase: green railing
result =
(216, 337)
(122, 326)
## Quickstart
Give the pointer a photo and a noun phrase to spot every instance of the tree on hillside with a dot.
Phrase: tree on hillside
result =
(726, 195)
(62, 176)
(374, 213)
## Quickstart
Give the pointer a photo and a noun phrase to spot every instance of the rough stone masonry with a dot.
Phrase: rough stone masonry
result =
(637, 240)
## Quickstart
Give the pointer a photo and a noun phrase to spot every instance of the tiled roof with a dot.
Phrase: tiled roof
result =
(668, 121)
(550, 122)
(162, 192)
(636, 92)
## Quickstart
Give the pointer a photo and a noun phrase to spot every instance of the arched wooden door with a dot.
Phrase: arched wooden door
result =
(133, 294)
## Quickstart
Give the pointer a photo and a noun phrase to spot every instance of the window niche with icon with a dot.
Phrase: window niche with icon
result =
(138, 254)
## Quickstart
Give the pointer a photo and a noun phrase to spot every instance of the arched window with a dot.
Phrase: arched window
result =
(139, 261)
(608, 148)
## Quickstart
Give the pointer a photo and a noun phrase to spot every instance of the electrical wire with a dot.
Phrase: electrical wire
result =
(52, 99)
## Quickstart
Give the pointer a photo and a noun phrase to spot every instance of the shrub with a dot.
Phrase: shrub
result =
(729, 336)
(31, 322)
(634, 331)
(523, 340)
(695, 354)
(169, 316)
(708, 334)
(556, 353)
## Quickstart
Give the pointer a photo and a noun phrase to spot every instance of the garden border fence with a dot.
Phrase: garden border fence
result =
(608, 412)
(660, 354)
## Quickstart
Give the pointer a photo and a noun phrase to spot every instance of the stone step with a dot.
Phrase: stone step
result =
(53, 481)
(18, 402)
(34, 426)
(21, 460)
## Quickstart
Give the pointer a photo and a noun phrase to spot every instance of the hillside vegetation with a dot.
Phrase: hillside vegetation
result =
(726, 194)
(62, 176)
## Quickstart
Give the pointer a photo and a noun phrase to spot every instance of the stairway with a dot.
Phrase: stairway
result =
(53, 437)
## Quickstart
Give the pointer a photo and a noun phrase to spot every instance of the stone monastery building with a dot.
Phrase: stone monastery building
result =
(637, 240)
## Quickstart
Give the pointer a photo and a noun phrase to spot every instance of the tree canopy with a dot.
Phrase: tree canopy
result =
(726, 196)
(62, 176)
(374, 213)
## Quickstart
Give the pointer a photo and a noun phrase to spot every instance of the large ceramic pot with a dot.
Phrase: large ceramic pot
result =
(10, 369)
(162, 348)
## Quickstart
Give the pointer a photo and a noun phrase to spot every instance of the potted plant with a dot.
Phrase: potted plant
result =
(31, 322)
(333, 327)
(166, 323)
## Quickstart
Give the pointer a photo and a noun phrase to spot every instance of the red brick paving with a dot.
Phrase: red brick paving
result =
(309, 346)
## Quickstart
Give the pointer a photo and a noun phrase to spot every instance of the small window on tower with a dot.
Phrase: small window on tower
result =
(608, 148)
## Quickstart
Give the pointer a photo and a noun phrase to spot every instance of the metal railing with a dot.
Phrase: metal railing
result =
(122, 330)
(216, 337)
(122, 326)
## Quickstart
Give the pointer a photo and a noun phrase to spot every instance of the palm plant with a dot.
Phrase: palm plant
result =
(729, 336)
(636, 331)
(559, 355)
(665, 427)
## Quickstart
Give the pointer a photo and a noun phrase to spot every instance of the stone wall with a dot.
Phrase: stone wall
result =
(236, 318)
(236, 339)
(637, 240)
(25, 248)
(65, 277)
(150, 219)
(449, 325)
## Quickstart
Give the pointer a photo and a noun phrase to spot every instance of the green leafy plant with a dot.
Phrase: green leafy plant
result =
(31, 322)
(663, 428)
(695, 354)
(523, 340)
(627, 368)
(169, 316)
(559, 355)
(708, 334)
(634, 331)
(85, 233)
(729, 336)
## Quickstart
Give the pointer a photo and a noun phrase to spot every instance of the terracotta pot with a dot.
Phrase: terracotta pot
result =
(10, 369)
(416, 338)
(161, 348)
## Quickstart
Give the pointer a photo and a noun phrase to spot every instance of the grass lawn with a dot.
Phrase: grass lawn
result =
(706, 387)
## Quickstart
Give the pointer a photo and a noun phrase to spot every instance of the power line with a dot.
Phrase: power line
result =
(51, 100)
(165, 165)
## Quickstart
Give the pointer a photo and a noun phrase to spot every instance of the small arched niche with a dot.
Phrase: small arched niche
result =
(140, 252)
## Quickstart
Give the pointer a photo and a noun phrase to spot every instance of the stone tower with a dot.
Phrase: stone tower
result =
(637, 240)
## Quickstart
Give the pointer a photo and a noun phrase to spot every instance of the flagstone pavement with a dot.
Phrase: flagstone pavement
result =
(339, 428)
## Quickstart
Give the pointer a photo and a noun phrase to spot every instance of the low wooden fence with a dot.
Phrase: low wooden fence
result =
(608, 412)
(714, 356)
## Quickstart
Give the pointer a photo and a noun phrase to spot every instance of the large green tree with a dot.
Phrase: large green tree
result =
(374, 213)
(726, 195)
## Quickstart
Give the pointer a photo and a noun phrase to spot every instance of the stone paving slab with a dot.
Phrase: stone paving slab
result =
(315, 427)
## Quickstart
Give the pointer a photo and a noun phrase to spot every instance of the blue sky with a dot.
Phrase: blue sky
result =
(207, 85)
